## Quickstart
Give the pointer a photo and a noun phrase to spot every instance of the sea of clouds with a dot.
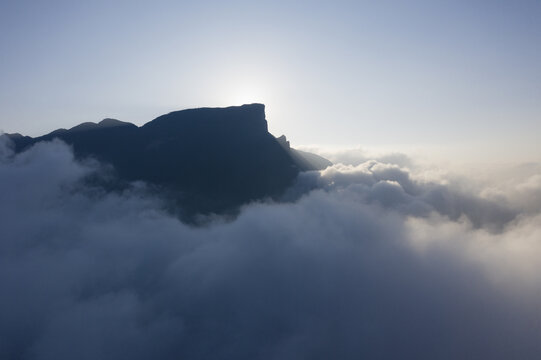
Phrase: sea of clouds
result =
(371, 258)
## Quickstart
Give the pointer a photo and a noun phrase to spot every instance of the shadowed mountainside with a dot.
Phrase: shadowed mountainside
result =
(208, 160)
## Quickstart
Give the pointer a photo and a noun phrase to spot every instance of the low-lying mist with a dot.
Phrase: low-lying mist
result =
(377, 258)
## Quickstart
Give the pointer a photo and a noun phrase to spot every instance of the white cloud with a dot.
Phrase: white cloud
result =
(372, 260)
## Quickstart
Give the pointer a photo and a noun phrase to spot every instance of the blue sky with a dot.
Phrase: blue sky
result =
(373, 73)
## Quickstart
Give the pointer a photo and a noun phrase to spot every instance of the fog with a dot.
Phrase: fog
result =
(381, 258)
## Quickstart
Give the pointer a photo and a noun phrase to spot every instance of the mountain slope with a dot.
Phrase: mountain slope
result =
(207, 159)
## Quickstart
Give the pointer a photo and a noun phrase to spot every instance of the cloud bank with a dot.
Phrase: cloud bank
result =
(373, 260)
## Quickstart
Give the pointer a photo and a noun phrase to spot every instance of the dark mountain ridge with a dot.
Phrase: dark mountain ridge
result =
(208, 160)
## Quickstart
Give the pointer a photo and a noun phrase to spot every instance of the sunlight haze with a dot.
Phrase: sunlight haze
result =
(349, 73)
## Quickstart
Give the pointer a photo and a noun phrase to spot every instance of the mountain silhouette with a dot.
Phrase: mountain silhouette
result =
(207, 160)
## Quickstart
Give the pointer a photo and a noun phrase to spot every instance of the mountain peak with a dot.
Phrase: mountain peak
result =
(210, 160)
(248, 119)
(108, 122)
(105, 123)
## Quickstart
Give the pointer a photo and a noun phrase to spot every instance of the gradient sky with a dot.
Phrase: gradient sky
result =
(373, 73)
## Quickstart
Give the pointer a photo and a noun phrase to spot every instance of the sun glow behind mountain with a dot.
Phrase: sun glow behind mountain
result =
(244, 92)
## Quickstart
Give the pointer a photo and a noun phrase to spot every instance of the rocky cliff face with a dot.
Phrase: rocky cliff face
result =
(208, 159)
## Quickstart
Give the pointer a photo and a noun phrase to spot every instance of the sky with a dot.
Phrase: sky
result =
(458, 75)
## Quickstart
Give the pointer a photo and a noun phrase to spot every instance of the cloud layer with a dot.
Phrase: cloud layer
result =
(371, 260)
